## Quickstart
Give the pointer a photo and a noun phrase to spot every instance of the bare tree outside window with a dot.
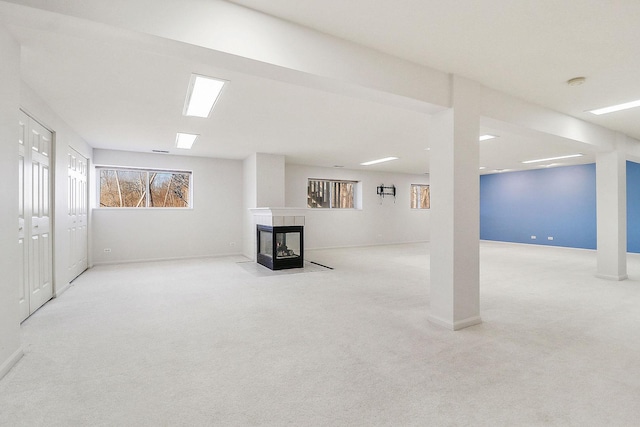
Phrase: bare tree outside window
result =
(121, 188)
(420, 196)
(331, 194)
(169, 189)
(319, 194)
(343, 195)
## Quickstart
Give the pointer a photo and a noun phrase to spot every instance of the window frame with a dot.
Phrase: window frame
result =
(147, 171)
(355, 199)
(419, 194)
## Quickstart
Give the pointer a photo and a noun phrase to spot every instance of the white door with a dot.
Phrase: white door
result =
(34, 220)
(77, 214)
(24, 181)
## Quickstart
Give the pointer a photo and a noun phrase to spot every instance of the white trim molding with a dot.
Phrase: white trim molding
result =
(10, 362)
(455, 326)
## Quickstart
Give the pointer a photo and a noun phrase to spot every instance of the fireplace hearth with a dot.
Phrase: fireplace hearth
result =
(280, 247)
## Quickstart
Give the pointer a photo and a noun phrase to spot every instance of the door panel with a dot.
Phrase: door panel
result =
(23, 290)
(24, 216)
(77, 214)
(34, 221)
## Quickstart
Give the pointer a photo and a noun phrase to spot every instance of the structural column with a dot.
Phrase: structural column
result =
(263, 187)
(611, 196)
(455, 209)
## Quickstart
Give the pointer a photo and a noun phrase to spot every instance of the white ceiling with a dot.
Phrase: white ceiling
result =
(528, 48)
(122, 90)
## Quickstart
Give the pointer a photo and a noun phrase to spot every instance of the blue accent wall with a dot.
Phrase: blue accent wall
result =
(633, 207)
(558, 202)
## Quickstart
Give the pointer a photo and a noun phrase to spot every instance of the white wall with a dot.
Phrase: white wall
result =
(64, 137)
(10, 350)
(250, 197)
(213, 227)
(270, 176)
(380, 221)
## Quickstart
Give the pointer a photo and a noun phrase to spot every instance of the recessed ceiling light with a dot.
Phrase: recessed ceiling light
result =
(615, 108)
(485, 137)
(373, 162)
(552, 158)
(483, 167)
(202, 95)
(185, 140)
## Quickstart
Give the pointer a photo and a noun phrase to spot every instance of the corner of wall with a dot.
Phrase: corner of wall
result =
(10, 350)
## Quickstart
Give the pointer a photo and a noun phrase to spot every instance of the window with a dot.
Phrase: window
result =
(142, 188)
(331, 194)
(420, 196)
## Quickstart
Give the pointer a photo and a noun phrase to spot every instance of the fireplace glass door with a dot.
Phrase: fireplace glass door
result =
(287, 245)
(280, 247)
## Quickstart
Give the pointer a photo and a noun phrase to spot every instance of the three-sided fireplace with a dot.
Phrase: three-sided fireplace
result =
(280, 247)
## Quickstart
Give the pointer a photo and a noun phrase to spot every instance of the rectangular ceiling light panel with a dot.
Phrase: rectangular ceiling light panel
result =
(486, 137)
(614, 108)
(373, 162)
(552, 158)
(202, 95)
(185, 140)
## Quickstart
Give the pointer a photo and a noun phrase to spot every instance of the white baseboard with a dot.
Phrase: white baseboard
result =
(455, 326)
(611, 277)
(62, 290)
(141, 260)
(10, 362)
(364, 245)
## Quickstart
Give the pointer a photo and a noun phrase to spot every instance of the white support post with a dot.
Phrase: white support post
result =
(455, 210)
(611, 196)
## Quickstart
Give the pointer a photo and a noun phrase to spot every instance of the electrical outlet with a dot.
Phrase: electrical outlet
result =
(107, 250)
(232, 243)
(550, 238)
(533, 237)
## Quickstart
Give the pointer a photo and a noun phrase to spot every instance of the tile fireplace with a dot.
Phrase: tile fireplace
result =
(280, 247)
(279, 237)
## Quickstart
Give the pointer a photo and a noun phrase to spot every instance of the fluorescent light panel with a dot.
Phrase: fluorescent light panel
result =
(185, 140)
(615, 108)
(552, 158)
(202, 95)
(485, 137)
(373, 162)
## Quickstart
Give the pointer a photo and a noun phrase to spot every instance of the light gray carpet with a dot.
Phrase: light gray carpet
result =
(208, 343)
(258, 270)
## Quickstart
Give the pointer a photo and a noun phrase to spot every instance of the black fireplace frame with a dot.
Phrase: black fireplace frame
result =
(273, 262)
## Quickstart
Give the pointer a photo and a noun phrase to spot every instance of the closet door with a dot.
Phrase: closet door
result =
(77, 214)
(24, 219)
(34, 222)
